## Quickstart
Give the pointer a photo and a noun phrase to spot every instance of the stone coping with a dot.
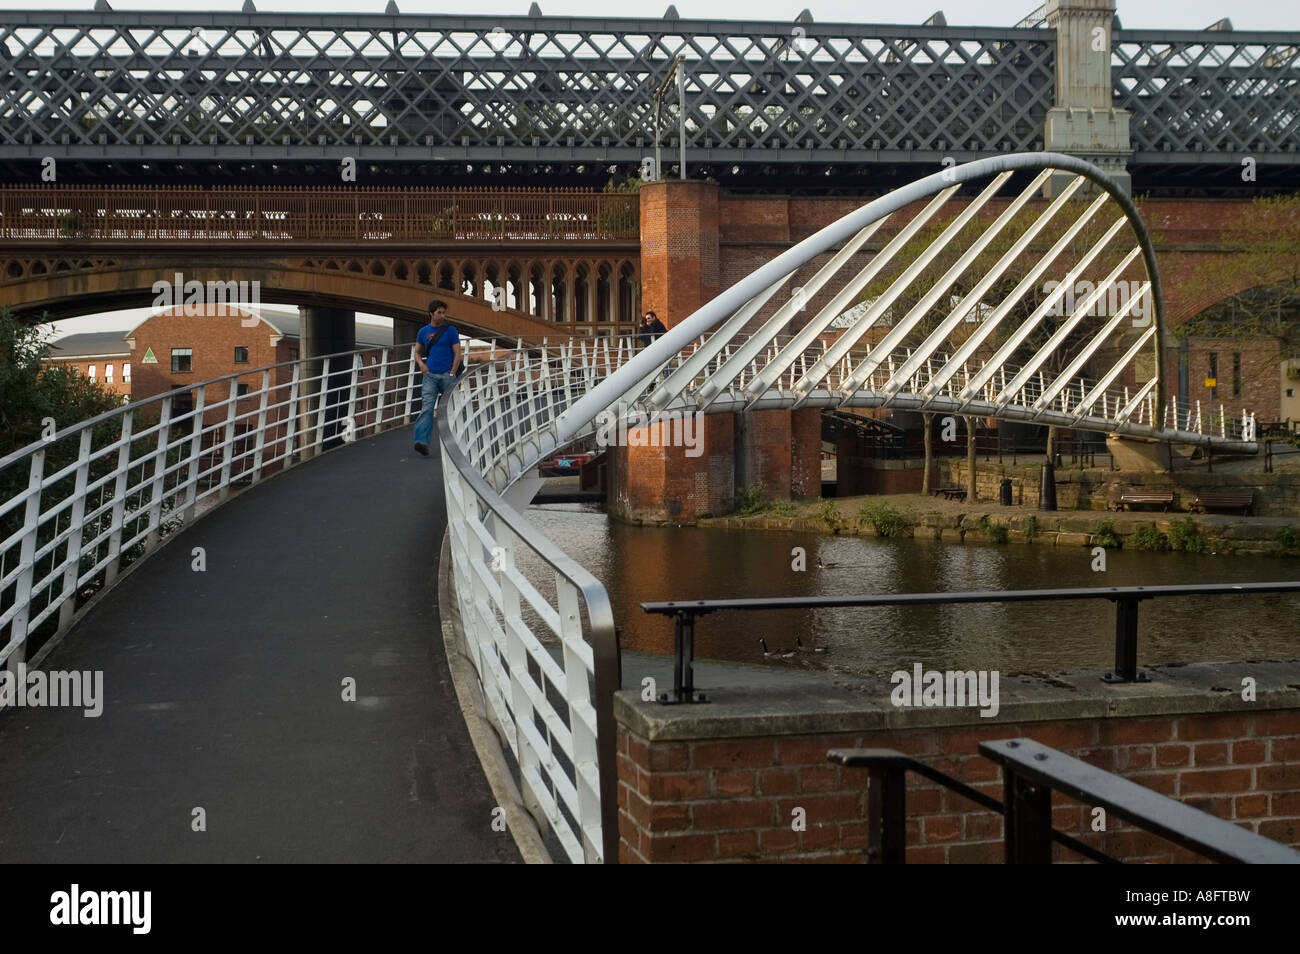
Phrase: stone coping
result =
(751, 700)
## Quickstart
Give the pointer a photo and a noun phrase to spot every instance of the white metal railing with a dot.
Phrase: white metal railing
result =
(539, 627)
(102, 493)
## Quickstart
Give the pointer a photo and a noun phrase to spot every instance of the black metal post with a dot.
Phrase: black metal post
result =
(1028, 820)
(687, 660)
(1126, 643)
(679, 621)
(1047, 488)
(683, 659)
(887, 814)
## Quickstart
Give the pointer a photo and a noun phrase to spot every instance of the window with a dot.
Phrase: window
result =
(241, 356)
(1212, 375)
(1236, 374)
(182, 403)
(108, 374)
(90, 372)
(182, 360)
(243, 389)
(126, 372)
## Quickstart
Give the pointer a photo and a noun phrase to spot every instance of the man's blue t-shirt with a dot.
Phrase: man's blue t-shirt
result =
(441, 356)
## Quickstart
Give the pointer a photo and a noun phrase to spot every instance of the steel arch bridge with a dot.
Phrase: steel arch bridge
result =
(931, 355)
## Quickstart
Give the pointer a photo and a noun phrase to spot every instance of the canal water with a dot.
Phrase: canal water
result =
(642, 564)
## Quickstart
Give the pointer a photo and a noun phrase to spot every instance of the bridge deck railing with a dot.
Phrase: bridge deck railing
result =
(84, 505)
(59, 213)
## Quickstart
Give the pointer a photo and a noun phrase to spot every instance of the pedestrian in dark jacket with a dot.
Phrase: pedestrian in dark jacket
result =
(650, 329)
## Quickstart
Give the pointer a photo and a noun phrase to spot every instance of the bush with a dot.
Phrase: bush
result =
(887, 521)
(1147, 538)
(994, 531)
(1104, 535)
(829, 514)
(1288, 537)
(443, 224)
(1031, 525)
(1184, 536)
(751, 501)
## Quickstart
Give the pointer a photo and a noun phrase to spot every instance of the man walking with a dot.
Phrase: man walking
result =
(438, 352)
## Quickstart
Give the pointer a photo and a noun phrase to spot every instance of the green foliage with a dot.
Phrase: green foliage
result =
(1104, 535)
(71, 224)
(994, 531)
(1266, 246)
(632, 184)
(1031, 525)
(1146, 538)
(620, 210)
(784, 509)
(29, 396)
(1288, 537)
(829, 514)
(1186, 537)
(443, 224)
(887, 521)
(750, 501)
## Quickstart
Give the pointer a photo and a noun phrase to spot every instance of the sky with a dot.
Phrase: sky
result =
(1134, 14)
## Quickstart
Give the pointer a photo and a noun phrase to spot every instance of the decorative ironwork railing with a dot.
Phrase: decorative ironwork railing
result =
(314, 214)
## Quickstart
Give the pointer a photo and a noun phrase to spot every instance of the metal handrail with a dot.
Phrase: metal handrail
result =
(487, 536)
(887, 797)
(1125, 598)
(1031, 771)
(132, 481)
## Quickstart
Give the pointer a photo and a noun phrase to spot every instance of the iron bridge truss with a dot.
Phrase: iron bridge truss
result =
(195, 93)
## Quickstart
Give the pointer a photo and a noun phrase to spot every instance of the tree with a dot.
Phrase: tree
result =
(29, 393)
(1266, 245)
(32, 397)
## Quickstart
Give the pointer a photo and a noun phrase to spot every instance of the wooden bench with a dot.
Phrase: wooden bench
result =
(1225, 500)
(951, 493)
(1131, 499)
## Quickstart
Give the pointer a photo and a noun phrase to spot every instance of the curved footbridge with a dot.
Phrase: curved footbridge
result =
(226, 689)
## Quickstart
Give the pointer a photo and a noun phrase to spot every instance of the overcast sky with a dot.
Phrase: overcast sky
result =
(1134, 14)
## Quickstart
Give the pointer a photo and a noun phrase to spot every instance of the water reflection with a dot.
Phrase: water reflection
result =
(641, 564)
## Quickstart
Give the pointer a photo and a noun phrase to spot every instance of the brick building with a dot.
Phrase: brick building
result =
(103, 356)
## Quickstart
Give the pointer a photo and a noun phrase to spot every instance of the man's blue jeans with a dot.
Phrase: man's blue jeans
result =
(433, 386)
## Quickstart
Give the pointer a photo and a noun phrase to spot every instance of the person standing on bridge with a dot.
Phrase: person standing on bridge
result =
(438, 352)
(650, 329)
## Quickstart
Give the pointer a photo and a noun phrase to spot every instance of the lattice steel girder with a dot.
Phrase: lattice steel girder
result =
(208, 85)
(1209, 97)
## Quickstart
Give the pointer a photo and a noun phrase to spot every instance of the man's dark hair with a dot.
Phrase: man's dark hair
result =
(436, 304)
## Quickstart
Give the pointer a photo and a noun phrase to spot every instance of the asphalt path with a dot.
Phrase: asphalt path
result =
(228, 731)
